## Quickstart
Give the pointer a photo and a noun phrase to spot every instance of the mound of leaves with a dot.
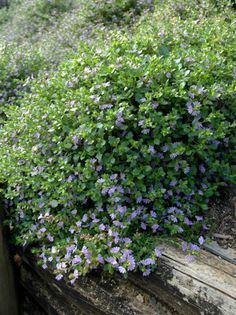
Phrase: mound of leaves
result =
(123, 145)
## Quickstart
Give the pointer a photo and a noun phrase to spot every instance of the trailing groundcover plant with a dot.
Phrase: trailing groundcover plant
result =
(124, 144)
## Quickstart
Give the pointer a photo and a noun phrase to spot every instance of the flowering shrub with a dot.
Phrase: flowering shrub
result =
(123, 145)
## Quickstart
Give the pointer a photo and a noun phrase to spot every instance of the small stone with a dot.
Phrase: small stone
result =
(153, 301)
(140, 298)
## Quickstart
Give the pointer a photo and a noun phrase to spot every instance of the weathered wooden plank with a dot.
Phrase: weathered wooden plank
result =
(8, 297)
(95, 294)
(228, 254)
(208, 282)
(205, 286)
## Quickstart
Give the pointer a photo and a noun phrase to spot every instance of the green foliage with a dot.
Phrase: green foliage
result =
(125, 143)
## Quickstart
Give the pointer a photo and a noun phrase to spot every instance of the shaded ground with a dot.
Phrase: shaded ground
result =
(223, 220)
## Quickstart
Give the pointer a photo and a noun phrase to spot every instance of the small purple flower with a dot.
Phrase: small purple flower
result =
(139, 199)
(76, 260)
(190, 94)
(98, 168)
(202, 168)
(85, 218)
(115, 250)
(147, 262)
(50, 237)
(168, 75)
(75, 140)
(127, 240)
(199, 217)
(111, 260)
(187, 221)
(155, 227)
(165, 148)
(146, 131)
(155, 105)
(151, 149)
(184, 246)
(189, 258)
(147, 272)
(100, 259)
(131, 262)
(186, 170)
(106, 106)
(122, 269)
(157, 252)
(59, 277)
(102, 227)
(143, 226)
(173, 182)
(78, 223)
(42, 230)
(201, 240)
(113, 176)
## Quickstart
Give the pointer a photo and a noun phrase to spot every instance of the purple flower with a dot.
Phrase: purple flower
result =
(42, 230)
(146, 131)
(190, 94)
(201, 240)
(75, 140)
(151, 149)
(119, 118)
(173, 182)
(102, 227)
(131, 262)
(155, 105)
(100, 259)
(76, 260)
(85, 218)
(100, 181)
(59, 277)
(147, 262)
(173, 218)
(106, 106)
(184, 246)
(157, 252)
(165, 148)
(98, 168)
(143, 226)
(187, 221)
(202, 168)
(147, 272)
(111, 260)
(86, 252)
(187, 170)
(168, 75)
(50, 237)
(189, 258)
(78, 223)
(199, 217)
(127, 240)
(121, 209)
(122, 269)
(194, 247)
(115, 250)
(113, 176)
(155, 227)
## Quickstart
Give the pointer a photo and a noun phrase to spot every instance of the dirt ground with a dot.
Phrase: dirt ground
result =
(223, 220)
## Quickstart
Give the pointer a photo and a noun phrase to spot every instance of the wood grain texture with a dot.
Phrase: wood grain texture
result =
(205, 286)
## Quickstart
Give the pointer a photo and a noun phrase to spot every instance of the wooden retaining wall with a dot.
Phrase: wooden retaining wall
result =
(8, 297)
(205, 286)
